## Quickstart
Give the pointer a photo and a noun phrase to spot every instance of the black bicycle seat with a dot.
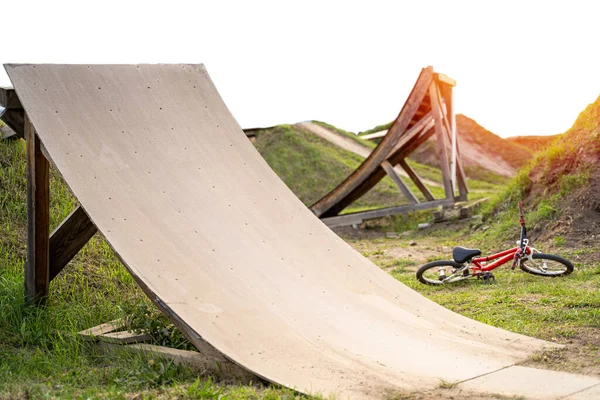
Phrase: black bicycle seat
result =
(461, 254)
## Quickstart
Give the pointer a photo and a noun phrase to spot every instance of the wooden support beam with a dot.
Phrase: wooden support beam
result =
(446, 80)
(416, 180)
(38, 219)
(450, 124)
(409, 135)
(358, 217)
(13, 114)
(411, 146)
(92, 334)
(370, 172)
(68, 238)
(15, 119)
(441, 139)
(389, 169)
(9, 98)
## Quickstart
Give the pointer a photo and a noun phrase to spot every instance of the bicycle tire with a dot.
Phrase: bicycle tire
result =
(434, 264)
(541, 270)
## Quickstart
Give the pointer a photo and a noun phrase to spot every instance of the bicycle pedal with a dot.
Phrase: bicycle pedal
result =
(487, 278)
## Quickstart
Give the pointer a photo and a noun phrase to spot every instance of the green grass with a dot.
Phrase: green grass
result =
(556, 309)
(552, 309)
(378, 128)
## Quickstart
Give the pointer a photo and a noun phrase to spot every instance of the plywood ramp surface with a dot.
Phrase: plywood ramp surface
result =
(217, 239)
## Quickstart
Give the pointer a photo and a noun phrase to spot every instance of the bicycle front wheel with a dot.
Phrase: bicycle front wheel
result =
(547, 265)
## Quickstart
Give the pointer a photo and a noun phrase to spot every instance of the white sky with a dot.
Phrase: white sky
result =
(522, 67)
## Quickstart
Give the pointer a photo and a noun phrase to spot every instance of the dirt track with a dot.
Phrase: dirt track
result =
(350, 145)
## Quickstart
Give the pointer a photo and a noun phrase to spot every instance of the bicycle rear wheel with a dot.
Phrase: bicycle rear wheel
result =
(547, 265)
(440, 272)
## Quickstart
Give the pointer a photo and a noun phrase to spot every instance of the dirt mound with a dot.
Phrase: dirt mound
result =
(532, 142)
(565, 179)
(577, 218)
(484, 154)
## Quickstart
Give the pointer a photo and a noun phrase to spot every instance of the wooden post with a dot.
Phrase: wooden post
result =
(459, 180)
(38, 219)
(441, 139)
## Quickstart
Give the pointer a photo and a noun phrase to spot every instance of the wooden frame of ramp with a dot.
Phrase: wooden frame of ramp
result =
(47, 254)
(428, 111)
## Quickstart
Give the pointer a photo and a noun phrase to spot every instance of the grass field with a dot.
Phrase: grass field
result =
(41, 357)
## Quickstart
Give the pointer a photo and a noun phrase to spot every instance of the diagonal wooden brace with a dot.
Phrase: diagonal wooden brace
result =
(68, 238)
(416, 180)
(389, 169)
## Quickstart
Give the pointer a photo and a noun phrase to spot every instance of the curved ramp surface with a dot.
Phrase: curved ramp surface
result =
(226, 249)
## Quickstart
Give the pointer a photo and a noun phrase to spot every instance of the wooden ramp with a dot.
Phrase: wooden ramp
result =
(428, 111)
(252, 277)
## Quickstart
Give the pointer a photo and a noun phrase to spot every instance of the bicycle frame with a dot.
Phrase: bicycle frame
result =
(479, 263)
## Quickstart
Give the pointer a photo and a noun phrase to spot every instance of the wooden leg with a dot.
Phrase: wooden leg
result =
(441, 140)
(38, 219)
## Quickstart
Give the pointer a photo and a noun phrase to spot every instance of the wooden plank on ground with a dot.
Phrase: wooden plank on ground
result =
(38, 219)
(92, 334)
(416, 180)
(468, 210)
(66, 240)
(389, 169)
(199, 361)
(125, 337)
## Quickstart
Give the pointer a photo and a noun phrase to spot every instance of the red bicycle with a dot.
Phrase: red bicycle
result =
(465, 263)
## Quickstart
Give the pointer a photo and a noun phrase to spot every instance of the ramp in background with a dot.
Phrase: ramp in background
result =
(224, 248)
